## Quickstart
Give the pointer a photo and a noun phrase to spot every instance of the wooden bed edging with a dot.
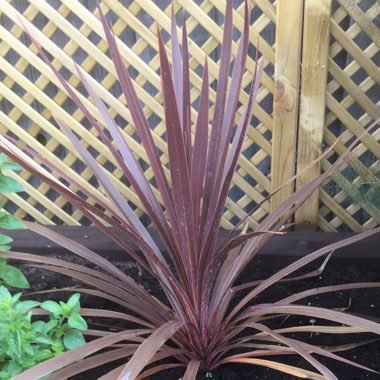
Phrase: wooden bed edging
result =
(294, 244)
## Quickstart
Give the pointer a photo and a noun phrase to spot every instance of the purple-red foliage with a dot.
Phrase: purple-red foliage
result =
(196, 326)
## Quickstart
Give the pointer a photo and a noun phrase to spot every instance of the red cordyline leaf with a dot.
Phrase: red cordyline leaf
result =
(148, 349)
(294, 345)
(222, 181)
(104, 358)
(179, 171)
(221, 93)
(276, 350)
(163, 354)
(94, 312)
(269, 196)
(177, 67)
(274, 221)
(144, 133)
(186, 110)
(221, 126)
(315, 349)
(137, 300)
(159, 368)
(200, 323)
(335, 316)
(89, 160)
(327, 289)
(299, 264)
(198, 165)
(128, 163)
(192, 370)
(94, 361)
(81, 204)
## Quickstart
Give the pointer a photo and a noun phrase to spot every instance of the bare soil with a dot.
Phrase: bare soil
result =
(361, 302)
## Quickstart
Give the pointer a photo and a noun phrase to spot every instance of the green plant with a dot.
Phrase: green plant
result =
(361, 188)
(24, 343)
(9, 275)
(204, 321)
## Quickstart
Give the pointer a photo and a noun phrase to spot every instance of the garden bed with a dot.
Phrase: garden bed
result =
(357, 263)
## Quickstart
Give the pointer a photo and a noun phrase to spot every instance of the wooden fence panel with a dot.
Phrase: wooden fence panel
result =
(286, 96)
(352, 197)
(30, 95)
(316, 36)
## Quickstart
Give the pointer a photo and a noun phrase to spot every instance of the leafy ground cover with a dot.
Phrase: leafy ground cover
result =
(25, 342)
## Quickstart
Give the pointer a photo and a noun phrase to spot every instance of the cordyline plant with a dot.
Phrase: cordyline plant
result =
(204, 322)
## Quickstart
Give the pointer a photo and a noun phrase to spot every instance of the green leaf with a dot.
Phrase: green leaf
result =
(39, 327)
(43, 339)
(3, 159)
(47, 326)
(73, 339)
(5, 295)
(58, 347)
(73, 302)
(43, 355)
(24, 306)
(6, 164)
(12, 369)
(52, 306)
(16, 297)
(9, 222)
(13, 342)
(9, 185)
(77, 322)
(27, 347)
(4, 239)
(13, 277)
(12, 166)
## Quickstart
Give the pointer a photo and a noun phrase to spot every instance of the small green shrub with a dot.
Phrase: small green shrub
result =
(24, 343)
(9, 275)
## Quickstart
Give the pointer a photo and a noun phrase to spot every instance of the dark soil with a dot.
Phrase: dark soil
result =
(363, 302)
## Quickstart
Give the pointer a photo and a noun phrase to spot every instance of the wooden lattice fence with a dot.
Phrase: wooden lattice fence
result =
(321, 81)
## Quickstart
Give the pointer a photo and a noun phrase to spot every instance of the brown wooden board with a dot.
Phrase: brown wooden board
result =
(293, 244)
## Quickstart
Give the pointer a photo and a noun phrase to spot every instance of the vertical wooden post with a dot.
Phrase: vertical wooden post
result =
(286, 95)
(315, 49)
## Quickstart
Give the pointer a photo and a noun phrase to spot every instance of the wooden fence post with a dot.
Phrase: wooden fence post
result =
(315, 50)
(286, 95)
